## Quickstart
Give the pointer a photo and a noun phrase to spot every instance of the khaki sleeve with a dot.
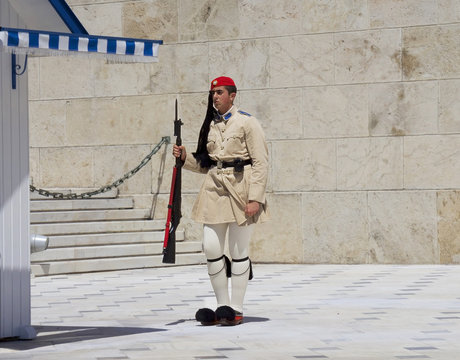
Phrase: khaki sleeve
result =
(192, 165)
(258, 151)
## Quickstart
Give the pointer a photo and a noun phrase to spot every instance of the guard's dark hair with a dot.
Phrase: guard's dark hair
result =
(201, 154)
(230, 89)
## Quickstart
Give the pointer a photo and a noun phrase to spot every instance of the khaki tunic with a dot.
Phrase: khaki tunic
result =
(225, 193)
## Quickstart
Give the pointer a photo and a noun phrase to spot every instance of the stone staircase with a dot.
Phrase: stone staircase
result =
(101, 234)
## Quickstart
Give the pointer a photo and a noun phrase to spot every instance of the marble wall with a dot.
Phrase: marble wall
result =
(359, 100)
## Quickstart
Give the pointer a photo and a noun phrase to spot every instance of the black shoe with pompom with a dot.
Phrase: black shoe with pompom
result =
(206, 317)
(227, 316)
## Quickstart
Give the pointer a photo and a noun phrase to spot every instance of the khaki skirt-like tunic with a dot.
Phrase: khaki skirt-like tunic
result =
(225, 193)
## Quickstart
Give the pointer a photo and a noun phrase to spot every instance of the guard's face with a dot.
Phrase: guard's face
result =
(221, 99)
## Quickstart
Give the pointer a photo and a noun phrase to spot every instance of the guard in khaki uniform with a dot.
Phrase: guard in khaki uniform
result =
(233, 154)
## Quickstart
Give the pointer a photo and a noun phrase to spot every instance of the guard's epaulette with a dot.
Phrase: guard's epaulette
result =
(244, 113)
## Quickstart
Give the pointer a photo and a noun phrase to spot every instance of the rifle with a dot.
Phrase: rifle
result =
(174, 205)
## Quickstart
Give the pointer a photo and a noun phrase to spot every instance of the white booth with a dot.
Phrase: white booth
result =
(34, 27)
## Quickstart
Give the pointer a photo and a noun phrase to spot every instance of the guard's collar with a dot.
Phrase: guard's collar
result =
(226, 116)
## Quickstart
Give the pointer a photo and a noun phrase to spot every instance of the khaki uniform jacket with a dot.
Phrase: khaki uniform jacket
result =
(225, 193)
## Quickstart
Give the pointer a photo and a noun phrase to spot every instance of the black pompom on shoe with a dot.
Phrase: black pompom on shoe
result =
(206, 317)
(228, 317)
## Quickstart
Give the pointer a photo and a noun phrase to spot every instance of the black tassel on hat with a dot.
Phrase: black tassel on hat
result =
(202, 155)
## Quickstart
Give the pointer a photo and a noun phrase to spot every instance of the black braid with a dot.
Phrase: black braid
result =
(201, 154)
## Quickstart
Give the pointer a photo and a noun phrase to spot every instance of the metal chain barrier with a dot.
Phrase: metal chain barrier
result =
(115, 184)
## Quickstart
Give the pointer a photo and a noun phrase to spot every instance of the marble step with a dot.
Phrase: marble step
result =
(97, 227)
(88, 215)
(108, 264)
(101, 234)
(81, 204)
(111, 251)
(59, 241)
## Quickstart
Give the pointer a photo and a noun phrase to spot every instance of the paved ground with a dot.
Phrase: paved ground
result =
(292, 312)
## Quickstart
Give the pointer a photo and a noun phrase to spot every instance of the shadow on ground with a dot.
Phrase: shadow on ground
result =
(53, 335)
(247, 319)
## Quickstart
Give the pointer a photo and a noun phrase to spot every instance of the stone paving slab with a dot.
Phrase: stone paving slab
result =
(338, 312)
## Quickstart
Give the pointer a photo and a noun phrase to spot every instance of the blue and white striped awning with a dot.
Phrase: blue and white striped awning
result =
(20, 41)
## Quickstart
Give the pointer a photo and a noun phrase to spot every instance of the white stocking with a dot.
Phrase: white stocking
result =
(213, 246)
(238, 244)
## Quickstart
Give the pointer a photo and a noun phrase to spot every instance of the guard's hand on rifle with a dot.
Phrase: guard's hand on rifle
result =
(179, 151)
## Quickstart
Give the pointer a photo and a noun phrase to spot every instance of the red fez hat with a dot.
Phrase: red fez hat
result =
(222, 81)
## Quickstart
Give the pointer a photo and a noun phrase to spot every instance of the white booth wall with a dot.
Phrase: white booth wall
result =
(14, 194)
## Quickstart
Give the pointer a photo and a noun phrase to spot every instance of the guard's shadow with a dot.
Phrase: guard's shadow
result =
(247, 319)
(53, 335)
